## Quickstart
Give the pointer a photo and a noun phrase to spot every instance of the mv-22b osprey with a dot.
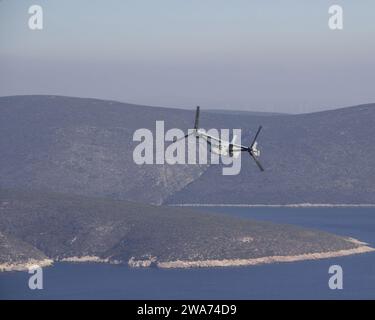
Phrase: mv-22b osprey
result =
(226, 148)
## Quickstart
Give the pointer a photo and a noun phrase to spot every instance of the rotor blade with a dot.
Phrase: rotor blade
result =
(256, 136)
(257, 162)
(182, 138)
(196, 122)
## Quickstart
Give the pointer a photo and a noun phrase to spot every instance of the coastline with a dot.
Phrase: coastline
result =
(24, 266)
(4, 267)
(362, 247)
(94, 259)
(290, 205)
(263, 260)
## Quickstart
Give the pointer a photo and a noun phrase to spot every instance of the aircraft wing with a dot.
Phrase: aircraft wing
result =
(205, 135)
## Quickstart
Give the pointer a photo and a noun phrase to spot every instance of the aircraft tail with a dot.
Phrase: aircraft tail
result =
(254, 151)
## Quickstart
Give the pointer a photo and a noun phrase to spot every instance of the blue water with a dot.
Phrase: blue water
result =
(299, 280)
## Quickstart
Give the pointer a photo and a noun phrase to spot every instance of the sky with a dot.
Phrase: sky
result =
(276, 56)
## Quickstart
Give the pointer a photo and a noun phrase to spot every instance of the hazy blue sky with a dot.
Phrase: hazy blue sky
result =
(241, 54)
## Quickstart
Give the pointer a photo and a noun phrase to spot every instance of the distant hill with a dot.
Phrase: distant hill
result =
(84, 146)
(75, 228)
(245, 113)
(324, 157)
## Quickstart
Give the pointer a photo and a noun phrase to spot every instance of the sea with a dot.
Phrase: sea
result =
(291, 280)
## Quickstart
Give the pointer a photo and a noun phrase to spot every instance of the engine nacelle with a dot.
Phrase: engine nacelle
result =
(230, 150)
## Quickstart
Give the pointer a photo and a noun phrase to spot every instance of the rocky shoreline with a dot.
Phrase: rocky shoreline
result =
(184, 264)
(42, 228)
(24, 266)
(263, 260)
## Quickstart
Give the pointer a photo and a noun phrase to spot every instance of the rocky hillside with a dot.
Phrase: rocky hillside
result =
(37, 226)
(85, 146)
(17, 255)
